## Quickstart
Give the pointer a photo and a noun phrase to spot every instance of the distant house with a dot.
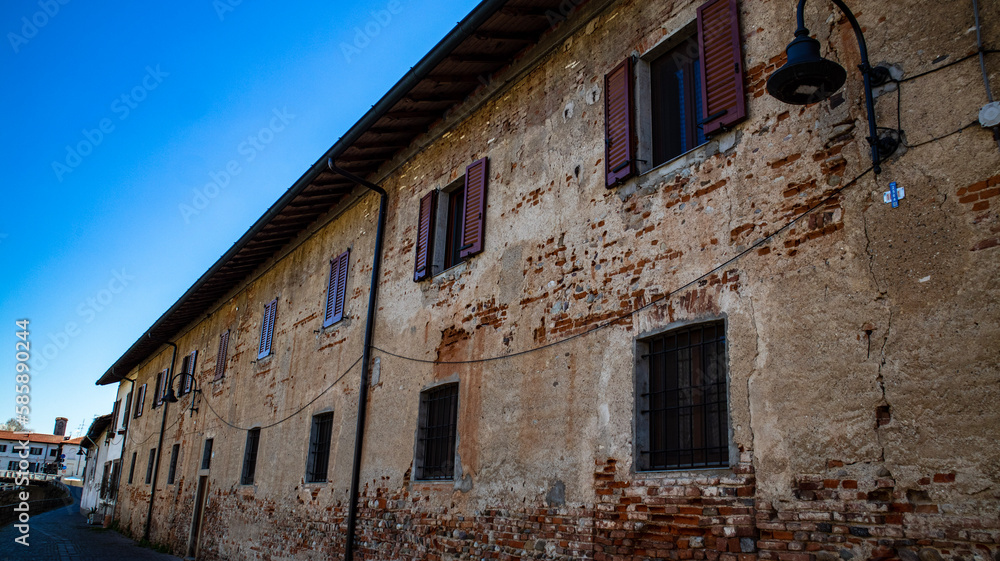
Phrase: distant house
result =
(48, 454)
(100, 481)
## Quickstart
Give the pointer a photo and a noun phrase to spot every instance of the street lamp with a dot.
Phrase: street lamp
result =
(807, 78)
(171, 397)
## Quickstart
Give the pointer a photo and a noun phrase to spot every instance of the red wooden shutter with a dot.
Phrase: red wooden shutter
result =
(619, 139)
(220, 359)
(722, 94)
(189, 377)
(425, 236)
(474, 222)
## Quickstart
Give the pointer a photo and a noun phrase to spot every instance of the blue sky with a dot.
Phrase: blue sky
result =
(118, 115)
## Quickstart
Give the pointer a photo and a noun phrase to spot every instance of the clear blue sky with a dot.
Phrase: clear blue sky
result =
(116, 115)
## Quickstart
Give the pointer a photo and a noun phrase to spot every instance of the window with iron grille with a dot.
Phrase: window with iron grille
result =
(150, 465)
(206, 455)
(319, 448)
(250, 457)
(174, 452)
(436, 433)
(681, 399)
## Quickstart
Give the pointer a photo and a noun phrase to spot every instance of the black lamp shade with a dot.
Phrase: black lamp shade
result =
(171, 397)
(807, 77)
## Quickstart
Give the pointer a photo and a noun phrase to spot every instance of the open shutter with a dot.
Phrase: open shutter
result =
(220, 359)
(140, 401)
(425, 236)
(619, 141)
(474, 220)
(127, 411)
(336, 289)
(266, 328)
(723, 94)
(270, 325)
(189, 374)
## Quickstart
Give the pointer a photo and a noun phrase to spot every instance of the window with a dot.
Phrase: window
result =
(127, 411)
(206, 455)
(140, 400)
(336, 291)
(150, 465)
(174, 452)
(3, 447)
(267, 329)
(12, 465)
(160, 388)
(436, 433)
(220, 359)
(105, 481)
(187, 373)
(451, 222)
(35, 451)
(672, 98)
(113, 428)
(319, 448)
(131, 469)
(116, 473)
(250, 457)
(52, 452)
(682, 416)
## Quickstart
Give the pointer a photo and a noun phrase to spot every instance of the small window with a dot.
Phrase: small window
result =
(160, 389)
(681, 399)
(174, 452)
(675, 95)
(250, 457)
(187, 373)
(140, 400)
(267, 328)
(3, 447)
(319, 448)
(206, 455)
(36, 451)
(52, 452)
(220, 359)
(436, 433)
(113, 428)
(116, 473)
(131, 469)
(105, 481)
(451, 222)
(127, 411)
(150, 465)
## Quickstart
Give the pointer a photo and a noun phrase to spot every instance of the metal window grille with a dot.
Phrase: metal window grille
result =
(174, 452)
(206, 455)
(319, 447)
(149, 465)
(250, 457)
(436, 434)
(684, 408)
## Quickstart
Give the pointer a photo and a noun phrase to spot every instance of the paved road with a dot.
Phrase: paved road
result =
(63, 535)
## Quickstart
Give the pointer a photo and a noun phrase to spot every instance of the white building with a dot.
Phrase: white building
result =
(48, 454)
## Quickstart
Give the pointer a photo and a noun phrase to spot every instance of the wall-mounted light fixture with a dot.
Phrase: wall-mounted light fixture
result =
(807, 78)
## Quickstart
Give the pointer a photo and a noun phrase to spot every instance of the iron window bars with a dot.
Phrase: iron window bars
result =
(436, 433)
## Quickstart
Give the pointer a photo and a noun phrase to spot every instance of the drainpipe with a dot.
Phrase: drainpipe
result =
(121, 459)
(359, 436)
(159, 447)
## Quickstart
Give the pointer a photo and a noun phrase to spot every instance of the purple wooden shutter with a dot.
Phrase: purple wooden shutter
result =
(336, 289)
(425, 236)
(619, 138)
(474, 220)
(220, 359)
(189, 377)
(127, 411)
(722, 93)
(267, 328)
(159, 389)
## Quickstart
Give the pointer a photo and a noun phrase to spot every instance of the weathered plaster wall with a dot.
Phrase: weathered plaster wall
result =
(862, 340)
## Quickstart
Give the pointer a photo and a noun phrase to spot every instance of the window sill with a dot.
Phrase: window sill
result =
(681, 164)
(451, 273)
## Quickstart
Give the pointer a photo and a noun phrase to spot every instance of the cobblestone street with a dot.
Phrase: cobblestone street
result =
(63, 534)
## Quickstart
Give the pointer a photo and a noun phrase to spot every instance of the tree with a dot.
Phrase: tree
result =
(12, 424)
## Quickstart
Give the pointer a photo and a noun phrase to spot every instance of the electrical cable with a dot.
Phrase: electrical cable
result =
(301, 409)
(662, 298)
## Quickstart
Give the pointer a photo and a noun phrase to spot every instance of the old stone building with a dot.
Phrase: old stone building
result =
(629, 306)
